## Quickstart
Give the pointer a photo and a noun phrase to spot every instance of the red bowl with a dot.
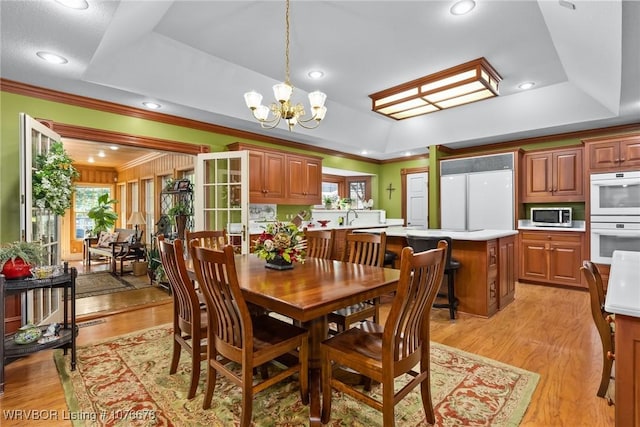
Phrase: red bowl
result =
(323, 222)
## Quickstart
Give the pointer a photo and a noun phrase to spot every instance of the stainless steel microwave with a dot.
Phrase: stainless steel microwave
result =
(551, 217)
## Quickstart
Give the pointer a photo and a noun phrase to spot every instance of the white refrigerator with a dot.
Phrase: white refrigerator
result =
(477, 201)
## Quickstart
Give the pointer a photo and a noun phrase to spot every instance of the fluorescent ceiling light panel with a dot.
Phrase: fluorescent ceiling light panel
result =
(459, 85)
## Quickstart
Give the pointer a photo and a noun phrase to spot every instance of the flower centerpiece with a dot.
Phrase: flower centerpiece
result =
(281, 245)
(53, 179)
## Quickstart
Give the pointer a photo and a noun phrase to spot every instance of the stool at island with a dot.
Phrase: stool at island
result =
(424, 243)
(11, 350)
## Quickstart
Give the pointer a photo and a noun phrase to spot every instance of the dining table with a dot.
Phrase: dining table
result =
(308, 293)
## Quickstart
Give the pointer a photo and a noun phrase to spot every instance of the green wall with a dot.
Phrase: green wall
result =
(11, 105)
(383, 175)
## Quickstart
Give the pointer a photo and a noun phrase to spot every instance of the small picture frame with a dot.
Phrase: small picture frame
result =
(182, 185)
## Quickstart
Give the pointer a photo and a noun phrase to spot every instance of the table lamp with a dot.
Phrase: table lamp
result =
(136, 219)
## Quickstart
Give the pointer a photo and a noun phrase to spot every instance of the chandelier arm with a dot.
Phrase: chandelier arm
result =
(270, 124)
(304, 125)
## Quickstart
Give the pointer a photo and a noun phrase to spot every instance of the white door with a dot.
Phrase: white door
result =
(418, 200)
(222, 196)
(38, 224)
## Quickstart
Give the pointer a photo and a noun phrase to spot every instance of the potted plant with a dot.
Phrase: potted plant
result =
(17, 258)
(52, 179)
(328, 201)
(179, 212)
(155, 270)
(103, 215)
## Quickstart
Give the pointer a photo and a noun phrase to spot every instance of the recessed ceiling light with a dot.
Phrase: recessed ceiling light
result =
(90, 160)
(113, 147)
(152, 105)
(408, 153)
(526, 85)
(52, 57)
(363, 152)
(462, 7)
(316, 74)
(101, 154)
(567, 4)
(74, 4)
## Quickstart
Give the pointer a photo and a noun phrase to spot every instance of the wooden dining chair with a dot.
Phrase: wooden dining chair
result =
(366, 249)
(189, 318)
(213, 239)
(604, 324)
(320, 243)
(383, 353)
(234, 337)
(423, 243)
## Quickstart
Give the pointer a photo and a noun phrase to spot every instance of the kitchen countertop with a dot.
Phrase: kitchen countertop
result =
(259, 228)
(623, 292)
(525, 224)
(476, 235)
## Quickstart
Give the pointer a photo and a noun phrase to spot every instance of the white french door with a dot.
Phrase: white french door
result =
(38, 224)
(222, 196)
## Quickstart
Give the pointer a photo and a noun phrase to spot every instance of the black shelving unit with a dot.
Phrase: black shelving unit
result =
(9, 349)
(169, 198)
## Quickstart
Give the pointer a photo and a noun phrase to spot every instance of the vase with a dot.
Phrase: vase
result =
(279, 263)
(16, 269)
(181, 225)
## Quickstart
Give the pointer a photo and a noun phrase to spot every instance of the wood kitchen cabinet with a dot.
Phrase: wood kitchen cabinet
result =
(304, 179)
(553, 176)
(265, 177)
(552, 257)
(506, 270)
(282, 178)
(614, 154)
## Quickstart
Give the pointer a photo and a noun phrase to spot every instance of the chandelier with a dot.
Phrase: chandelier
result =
(284, 109)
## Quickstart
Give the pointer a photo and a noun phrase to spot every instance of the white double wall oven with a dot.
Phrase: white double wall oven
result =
(615, 214)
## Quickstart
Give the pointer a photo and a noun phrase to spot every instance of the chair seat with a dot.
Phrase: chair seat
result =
(268, 331)
(360, 345)
(352, 314)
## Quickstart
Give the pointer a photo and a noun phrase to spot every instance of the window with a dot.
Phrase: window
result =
(356, 188)
(85, 199)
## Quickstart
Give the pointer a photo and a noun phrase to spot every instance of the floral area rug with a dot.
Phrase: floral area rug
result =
(101, 283)
(126, 381)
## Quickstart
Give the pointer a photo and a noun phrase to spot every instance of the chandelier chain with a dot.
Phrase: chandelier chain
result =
(286, 44)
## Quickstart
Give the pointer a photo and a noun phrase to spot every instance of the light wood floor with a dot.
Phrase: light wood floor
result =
(546, 330)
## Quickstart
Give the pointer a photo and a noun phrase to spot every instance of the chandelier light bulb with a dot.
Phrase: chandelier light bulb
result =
(252, 99)
(282, 92)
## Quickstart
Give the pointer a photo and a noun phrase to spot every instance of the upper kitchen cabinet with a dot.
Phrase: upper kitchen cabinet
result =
(304, 179)
(282, 178)
(614, 154)
(553, 176)
(265, 177)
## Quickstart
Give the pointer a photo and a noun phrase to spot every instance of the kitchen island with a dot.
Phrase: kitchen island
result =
(485, 282)
(623, 299)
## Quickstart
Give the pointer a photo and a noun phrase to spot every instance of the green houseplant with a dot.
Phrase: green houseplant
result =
(17, 258)
(103, 215)
(52, 179)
